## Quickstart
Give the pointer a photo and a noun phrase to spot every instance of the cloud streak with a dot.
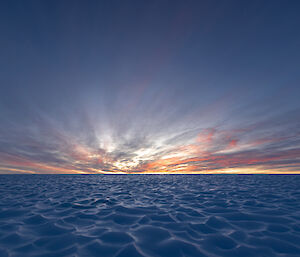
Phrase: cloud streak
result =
(46, 146)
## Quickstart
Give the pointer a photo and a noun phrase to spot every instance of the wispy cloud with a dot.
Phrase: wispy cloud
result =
(47, 147)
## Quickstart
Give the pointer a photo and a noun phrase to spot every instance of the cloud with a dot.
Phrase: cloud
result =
(78, 140)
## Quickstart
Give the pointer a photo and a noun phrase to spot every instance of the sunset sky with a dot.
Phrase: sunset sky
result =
(149, 86)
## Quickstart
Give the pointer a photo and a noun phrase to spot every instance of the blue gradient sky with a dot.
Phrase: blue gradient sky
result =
(149, 86)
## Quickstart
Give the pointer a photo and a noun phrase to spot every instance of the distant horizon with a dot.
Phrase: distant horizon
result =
(114, 173)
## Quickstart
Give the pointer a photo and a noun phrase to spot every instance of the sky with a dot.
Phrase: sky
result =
(149, 86)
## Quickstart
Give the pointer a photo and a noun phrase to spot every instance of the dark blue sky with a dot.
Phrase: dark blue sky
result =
(149, 86)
